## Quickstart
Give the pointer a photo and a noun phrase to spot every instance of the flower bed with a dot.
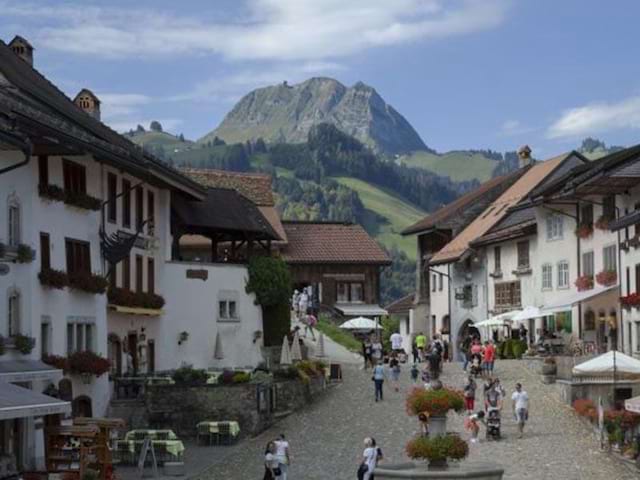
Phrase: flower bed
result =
(435, 402)
(585, 282)
(607, 277)
(88, 282)
(127, 298)
(584, 230)
(437, 449)
(631, 300)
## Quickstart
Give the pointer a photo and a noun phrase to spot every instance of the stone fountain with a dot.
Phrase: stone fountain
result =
(440, 469)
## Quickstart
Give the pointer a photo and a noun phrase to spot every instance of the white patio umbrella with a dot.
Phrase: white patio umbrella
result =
(296, 354)
(218, 354)
(285, 355)
(632, 405)
(360, 323)
(320, 346)
(527, 314)
(612, 362)
(493, 322)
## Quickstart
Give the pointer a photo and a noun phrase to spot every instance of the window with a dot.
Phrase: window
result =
(628, 271)
(587, 264)
(80, 336)
(440, 281)
(434, 282)
(469, 296)
(609, 207)
(150, 212)
(350, 292)
(14, 313)
(45, 251)
(139, 276)
(45, 336)
(151, 276)
(586, 215)
(126, 273)
(523, 254)
(78, 256)
(126, 203)
(75, 177)
(637, 290)
(496, 259)
(507, 295)
(43, 170)
(563, 274)
(609, 258)
(139, 208)
(14, 223)
(555, 226)
(547, 276)
(227, 310)
(589, 320)
(112, 187)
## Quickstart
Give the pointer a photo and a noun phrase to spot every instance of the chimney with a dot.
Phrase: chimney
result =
(22, 48)
(86, 101)
(524, 156)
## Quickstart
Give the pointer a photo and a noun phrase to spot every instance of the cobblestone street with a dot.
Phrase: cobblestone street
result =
(327, 438)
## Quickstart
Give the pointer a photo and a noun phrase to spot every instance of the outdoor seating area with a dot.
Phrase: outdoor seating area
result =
(166, 445)
(218, 433)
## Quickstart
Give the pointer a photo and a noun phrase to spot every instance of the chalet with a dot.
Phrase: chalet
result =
(341, 263)
(90, 261)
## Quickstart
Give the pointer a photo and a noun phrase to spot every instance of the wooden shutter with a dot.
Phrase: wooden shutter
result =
(45, 251)
(112, 186)
(151, 274)
(43, 170)
(139, 208)
(126, 273)
(126, 203)
(139, 276)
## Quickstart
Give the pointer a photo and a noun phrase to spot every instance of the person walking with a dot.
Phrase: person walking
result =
(465, 352)
(489, 357)
(394, 365)
(271, 470)
(378, 378)
(368, 461)
(415, 353)
(472, 423)
(520, 405)
(366, 352)
(396, 342)
(283, 455)
(303, 303)
(469, 393)
(376, 350)
(309, 323)
(415, 371)
(421, 343)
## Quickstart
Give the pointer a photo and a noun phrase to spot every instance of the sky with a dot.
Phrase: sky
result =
(467, 74)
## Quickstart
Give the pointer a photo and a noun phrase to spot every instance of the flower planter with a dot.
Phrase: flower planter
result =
(584, 282)
(584, 230)
(607, 277)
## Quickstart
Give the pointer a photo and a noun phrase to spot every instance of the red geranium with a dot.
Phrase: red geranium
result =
(607, 277)
(584, 282)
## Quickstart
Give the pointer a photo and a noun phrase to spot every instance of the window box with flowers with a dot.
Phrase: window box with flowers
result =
(603, 222)
(584, 230)
(585, 282)
(88, 282)
(75, 199)
(126, 298)
(51, 192)
(84, 363)
(53, 278)
(607, 277)
(630, 301)
(21, 253)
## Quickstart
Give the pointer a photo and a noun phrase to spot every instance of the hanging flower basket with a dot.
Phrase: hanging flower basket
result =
(607, 277)
(584, 230)
(584, 282)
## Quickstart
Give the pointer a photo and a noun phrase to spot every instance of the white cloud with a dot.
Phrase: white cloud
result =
(269, 29)
(118, 104)
(597, 118)
(513, 128)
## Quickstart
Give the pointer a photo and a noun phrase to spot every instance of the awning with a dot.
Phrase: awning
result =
(569, 301)
(632, 405)
(609, 363)
(150, 312)
(527, 314)
(27, 370)
(19, 402)
(361, 323)
(360, 309)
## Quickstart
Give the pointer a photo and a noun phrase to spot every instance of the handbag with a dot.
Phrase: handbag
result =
(277, 472)
(362, 469)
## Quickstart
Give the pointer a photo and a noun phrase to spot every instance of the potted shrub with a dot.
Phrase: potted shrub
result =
(189, 376)
(607, 277)
(438, 449)
(23, 343)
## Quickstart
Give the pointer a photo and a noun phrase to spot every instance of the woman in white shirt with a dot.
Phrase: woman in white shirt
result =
(271, 470)
(369, 458)
(283, 456)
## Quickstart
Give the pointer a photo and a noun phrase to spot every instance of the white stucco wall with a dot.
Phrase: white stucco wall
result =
(58, 306)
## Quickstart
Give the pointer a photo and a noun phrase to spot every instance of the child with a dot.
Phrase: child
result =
(472, 423)
(414, 372)
(394, 364)
(426, 378)
(470, 394)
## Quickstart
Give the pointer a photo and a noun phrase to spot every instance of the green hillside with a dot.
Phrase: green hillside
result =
(387, 215)
(457, 165)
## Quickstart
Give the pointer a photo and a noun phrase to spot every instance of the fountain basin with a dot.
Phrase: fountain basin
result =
(478, 471)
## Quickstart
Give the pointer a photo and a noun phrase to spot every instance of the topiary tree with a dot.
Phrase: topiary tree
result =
(270, 281)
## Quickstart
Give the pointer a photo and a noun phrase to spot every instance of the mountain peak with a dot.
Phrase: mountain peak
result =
(286, 113)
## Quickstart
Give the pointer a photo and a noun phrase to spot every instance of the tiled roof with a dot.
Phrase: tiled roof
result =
(497, 210)
(402, 305)
(446, 216)
(311, 242)
(255, 186)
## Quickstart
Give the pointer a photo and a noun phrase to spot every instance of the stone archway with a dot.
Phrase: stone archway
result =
(467, 328)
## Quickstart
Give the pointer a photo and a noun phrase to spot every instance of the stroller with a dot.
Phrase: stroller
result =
(476, 365)
(493, 423)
